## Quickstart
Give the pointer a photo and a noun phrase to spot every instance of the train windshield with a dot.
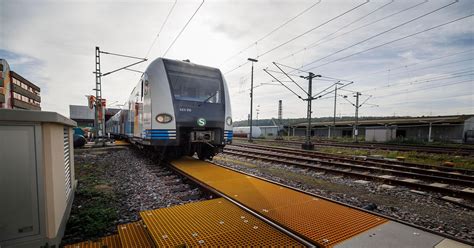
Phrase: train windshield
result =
(194, 83)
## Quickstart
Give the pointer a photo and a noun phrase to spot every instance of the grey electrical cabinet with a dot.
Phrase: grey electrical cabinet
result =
(36, 177)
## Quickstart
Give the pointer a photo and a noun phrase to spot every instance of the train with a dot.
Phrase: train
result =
(245, 131)
(177, 108)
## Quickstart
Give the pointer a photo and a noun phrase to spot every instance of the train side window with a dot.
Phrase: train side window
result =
(142, 89)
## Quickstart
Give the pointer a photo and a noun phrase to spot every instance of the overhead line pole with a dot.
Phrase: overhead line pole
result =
(356, 123)
(98, 124)
(251, 100)
(99, 119)
(308, 145)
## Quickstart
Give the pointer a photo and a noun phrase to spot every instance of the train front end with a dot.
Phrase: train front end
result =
(201, 109)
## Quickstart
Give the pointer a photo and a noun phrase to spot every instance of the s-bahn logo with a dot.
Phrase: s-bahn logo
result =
(201, 122)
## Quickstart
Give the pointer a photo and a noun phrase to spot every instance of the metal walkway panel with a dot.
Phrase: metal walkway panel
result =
(324, 222)
(134, 235)
(112, 241)
(215, 222)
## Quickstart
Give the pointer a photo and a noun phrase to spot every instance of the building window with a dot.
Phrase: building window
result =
(16, 96)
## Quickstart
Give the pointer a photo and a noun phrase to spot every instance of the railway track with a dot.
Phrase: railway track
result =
(434, 170)
(460, 151)
(447, 183)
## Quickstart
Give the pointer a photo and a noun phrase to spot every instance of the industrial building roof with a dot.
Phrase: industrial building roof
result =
(394, 121)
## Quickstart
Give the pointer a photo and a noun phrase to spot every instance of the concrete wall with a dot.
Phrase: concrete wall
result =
(379, 134)
(269, 131)
(450, 133)
(468, 124)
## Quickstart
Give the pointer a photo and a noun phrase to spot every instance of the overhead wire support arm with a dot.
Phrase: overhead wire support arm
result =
(122, 55)
(345, 98)
(321, 92)
(137, 71)
(265, 70)
(365, 101)
(122, 68)
(290, 78)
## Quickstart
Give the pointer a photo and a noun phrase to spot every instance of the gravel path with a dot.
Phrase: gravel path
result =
(424, 210)
(136, 184)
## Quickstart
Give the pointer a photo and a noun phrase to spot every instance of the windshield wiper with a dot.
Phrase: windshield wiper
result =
(207, 99)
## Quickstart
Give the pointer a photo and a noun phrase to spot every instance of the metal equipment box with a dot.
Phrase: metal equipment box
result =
(36, 177)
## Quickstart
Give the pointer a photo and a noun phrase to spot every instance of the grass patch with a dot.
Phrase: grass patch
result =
(93, 211)
(465, 162)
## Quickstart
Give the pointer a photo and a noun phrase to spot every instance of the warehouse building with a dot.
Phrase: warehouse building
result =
(453, 128)
(16, 92)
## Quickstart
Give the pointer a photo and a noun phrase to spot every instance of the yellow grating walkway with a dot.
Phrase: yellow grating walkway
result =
(215, 222)
(324, 222)
(112, 241)
(121, 143)
(134, 235)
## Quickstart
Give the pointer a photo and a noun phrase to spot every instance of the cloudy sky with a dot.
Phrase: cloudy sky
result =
(412, 57)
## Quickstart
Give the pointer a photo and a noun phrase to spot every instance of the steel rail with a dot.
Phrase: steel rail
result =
(451, 192)
(396, 166)
(465, 151)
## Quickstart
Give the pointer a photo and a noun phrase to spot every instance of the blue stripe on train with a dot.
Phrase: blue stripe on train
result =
(228, 134)
(159, 134)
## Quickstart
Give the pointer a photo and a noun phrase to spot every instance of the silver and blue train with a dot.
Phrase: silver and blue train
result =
(177, 108)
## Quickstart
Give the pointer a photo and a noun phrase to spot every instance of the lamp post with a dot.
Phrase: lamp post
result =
(251, 98)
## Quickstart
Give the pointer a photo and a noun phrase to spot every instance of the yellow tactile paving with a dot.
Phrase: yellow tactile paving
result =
(215, 222)
(112, 241)
(324, 222)
(134, 235)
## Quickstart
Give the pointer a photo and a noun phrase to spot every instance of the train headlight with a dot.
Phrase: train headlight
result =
(228, 120)
(163, 118)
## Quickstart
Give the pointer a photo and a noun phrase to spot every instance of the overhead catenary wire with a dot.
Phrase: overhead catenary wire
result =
(406, 91)
(161, 28)
(298, 36)
(312, 29)
(442, 77)
(321, 41)
(184, 27)
(390, 42)
(362, 75)
(360, 27)
(384, 32)
(271, 32)
(426, 67)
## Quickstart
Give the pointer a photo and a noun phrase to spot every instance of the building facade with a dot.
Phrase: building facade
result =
(453, 128)
(16, 92)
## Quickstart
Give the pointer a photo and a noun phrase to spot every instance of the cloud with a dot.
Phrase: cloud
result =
(53, 43)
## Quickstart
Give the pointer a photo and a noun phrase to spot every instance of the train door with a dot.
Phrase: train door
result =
(146, 99)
